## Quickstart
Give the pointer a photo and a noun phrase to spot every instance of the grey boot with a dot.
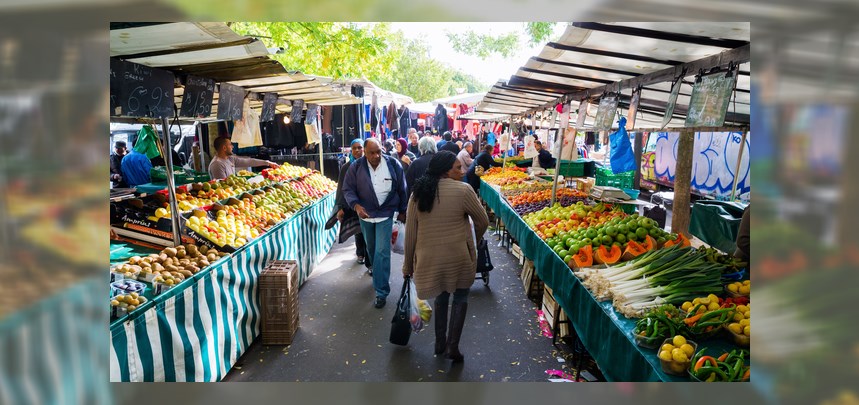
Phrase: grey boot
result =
(440, 312)
(457, 320)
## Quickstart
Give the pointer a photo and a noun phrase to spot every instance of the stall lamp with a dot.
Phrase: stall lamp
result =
(285, 119)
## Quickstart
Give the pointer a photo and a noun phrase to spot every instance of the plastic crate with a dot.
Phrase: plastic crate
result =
(279, 302)
(605, 177)
(572, 168)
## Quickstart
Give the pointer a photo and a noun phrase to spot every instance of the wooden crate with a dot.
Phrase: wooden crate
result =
(278, 295)
(554, 314)
(530, 281)
(517, 252)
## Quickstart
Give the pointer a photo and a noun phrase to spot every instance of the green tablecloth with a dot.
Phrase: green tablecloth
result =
(607, 335)
(717, 223)
(197, 330)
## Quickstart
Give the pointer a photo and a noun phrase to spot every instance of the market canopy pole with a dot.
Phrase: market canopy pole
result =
(683, 183)
(171, 186)
(737, 167)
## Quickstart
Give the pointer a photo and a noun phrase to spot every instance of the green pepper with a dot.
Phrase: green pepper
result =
(710, 369)
(737, 371)
(655, 330)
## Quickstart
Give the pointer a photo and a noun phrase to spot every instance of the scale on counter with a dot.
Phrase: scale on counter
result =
(606, 192)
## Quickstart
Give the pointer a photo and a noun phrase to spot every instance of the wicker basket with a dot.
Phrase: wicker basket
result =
(278, 295)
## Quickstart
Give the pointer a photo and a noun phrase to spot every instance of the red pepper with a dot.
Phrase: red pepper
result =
(704, 360)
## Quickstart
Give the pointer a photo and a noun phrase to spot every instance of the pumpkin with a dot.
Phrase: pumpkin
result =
(633, 250)
(606, 256)
(584, 257)
(681, 240)
(649, 243)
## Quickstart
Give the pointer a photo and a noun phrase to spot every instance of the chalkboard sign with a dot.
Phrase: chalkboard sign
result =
(142, 91)
(198, 96)
(230, 102)
(269, 101)
(115, 85)
(582, 114)
(297, 111)
(633, 108)
(605, 114)
(710, 98)
(672, 102)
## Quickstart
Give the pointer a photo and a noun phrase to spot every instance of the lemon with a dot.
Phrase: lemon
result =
(713, 306)
(742, 308)
(713, 298)
(696, 301)
(705, 301)
(667, 347)
(686, 306)
(745, 290)
(733, 288)
(114, 303)
(747, 282)
(747, 330)
(679, 356)
(688, 349)
(736, 328)
(679, 341)
(747, 315)
(738, 317)
(665, 355)
(745, 322)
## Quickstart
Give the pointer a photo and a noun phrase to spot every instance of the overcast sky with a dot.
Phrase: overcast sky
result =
(488, 71)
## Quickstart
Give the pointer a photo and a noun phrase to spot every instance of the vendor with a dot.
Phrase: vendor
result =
(744, 248)
(116, 164)
(545, 158)
(136, 165)
(224, 164)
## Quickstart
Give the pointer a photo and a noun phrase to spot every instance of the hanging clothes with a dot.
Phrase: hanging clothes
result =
(357, 125)
(392, 118)
(413, 120)
(440, 119)
(405, 121)
(374, 113)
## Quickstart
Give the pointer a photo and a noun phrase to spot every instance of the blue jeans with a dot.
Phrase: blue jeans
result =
(378, 238)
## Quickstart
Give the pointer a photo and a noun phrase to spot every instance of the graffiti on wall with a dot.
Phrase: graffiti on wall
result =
(713, 163)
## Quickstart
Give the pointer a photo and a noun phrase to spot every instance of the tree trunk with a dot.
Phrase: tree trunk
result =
(682, 183)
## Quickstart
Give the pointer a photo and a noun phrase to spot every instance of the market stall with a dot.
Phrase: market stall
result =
(607, 334)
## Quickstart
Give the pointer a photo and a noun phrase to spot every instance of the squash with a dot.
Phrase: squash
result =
(606, 256)
(649, 243)
(681, 240)
(633, 250)
(584, 258)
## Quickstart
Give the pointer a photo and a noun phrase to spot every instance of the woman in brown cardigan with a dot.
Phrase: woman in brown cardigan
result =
(440, 251)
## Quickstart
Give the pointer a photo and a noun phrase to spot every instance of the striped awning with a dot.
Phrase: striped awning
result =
(214, 51)
(593, 55)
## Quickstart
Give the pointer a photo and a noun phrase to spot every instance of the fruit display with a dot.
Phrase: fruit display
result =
(314, 185)
(675, 355)
(528, 186)
(528, 202)
(123, 303)
(558, 220)
(286, 172)
(245, 173)
(732, 264)
(741, 323)
(740, 288)
(728, 367)
(505, 176)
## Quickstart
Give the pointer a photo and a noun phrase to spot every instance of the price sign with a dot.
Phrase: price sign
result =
(605, 114)
(710, 99)
(230, 102)
(198, 96)
(269, 101)
(672, 102)
(141, 91)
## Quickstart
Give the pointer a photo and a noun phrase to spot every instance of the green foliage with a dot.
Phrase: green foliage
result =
(470, 83)
(506, 45)
(325, 49)
(484, 45)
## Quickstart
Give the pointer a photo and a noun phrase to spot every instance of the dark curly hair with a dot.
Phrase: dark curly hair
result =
(426, 188)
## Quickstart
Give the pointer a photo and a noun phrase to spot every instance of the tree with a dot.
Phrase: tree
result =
(325, 49)
(413, 72)
(470, 83)
(506, 45)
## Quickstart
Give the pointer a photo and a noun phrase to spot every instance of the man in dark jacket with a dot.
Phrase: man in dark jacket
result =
(375, 188)
(484, 159)
(544, 157)
(116, 164)
(420, 165)
(445, 138)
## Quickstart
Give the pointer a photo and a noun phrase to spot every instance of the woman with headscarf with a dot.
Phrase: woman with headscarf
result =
(406, 157)
(437, 220)
(349, 224)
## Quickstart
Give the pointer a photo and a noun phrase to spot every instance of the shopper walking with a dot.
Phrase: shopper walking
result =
(375, 188)
(438, 217)
(419, 166)
(413, 142)
(349, 222)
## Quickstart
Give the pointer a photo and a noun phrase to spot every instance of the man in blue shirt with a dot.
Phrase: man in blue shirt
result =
(135, 168)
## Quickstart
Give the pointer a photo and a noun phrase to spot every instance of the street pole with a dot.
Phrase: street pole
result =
(171, 186)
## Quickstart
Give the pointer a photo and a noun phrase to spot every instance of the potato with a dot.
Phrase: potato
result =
(185, 262)
(146, 265)
(204, 249)
(157, 267)
(203, 263)
(212, 257)
(186, 273)
(170, 252)
(135, 259)
(163, 257)
(178, 275)
(193, 269)
(192, 250)
(171, 268)
(180, 253)
(135, 268)
(222, 254)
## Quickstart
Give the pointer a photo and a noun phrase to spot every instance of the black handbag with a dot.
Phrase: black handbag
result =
(484, 263)
(401, 328)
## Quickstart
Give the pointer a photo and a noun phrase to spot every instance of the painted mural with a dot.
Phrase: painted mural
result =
(714, 161)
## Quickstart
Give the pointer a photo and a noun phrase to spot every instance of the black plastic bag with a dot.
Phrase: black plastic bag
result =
(484, 263)
(401, 327)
